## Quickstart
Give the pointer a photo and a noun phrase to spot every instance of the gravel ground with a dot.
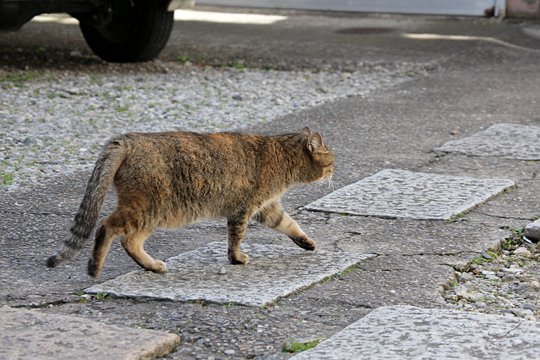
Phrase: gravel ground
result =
(53, 122)
(504, 282)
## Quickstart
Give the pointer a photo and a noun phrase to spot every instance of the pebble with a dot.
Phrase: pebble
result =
(507, 285)
(508, 278)
(461, 291)
(513, 269)
(29, 141)
(532, 231)
(522, 313)
(486, 255)
(475, 297)
(521, 251)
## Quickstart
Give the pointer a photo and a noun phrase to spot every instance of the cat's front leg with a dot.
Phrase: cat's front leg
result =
(236, 228)
(290, 228)
(274, 217)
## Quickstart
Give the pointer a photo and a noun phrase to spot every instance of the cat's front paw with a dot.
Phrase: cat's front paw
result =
(238, 258)
(159, 267)
(305, 243)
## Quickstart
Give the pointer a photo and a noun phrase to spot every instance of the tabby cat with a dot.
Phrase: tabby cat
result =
(171, 179)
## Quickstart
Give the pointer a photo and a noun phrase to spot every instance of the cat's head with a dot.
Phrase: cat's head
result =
(321, 157)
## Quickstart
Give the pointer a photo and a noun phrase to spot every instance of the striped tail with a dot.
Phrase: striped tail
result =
(86, 218)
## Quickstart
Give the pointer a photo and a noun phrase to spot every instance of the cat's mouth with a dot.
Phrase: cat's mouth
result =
(327, 179)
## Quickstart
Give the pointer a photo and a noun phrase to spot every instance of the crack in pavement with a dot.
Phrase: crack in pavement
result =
(457, 253)
(503, 216)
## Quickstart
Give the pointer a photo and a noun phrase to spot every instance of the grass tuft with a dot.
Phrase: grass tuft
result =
(295, 346)
(20, 76)
(7, 179)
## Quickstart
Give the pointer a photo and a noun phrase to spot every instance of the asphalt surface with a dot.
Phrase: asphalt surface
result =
(467, 85)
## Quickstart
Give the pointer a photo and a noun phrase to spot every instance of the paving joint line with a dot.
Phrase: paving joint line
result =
(44, 305)
(458, 253)
(502, 217)
(382, 270)
(503, 336)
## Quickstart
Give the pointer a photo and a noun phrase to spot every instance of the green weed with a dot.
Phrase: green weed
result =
(7, 179)
(182, 59)
(238, 65)
(20, 76)
(481, 259)
(295, 346)
(101, 296)
(122, 109)
(455, 218)
(514, 240)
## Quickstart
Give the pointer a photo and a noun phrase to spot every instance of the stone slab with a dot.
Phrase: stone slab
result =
(31, 334)
(512, 141)
(406, 332)
(404, 194)
(532, 231)
(205, 274)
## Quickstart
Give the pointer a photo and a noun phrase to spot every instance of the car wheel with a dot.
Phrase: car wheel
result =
(135, 30)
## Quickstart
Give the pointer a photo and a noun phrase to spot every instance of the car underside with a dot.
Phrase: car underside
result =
(116, 30)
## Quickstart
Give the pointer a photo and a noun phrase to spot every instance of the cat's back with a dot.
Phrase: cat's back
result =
(190, 160)
(180, 142)
(225, 156)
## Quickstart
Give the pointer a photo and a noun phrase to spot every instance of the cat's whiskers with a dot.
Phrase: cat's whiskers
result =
(331, 184)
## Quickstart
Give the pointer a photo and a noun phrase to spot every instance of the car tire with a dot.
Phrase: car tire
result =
(137, 31)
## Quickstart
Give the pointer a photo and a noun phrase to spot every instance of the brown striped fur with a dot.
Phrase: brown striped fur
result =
(174, 178)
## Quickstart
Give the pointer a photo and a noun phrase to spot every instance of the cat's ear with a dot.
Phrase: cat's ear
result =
(315, 142)
(306, 131)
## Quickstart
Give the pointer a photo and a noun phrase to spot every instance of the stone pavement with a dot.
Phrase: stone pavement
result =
(512, 141)
(399, 193)
(205, 274)
(455, 147)
(406, 332)
(30, 334)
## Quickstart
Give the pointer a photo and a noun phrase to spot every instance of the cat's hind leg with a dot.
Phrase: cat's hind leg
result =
(236, 229)
(114, 225)
(134, 246)
(104, 237)
(273, 216)
(121, 223)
